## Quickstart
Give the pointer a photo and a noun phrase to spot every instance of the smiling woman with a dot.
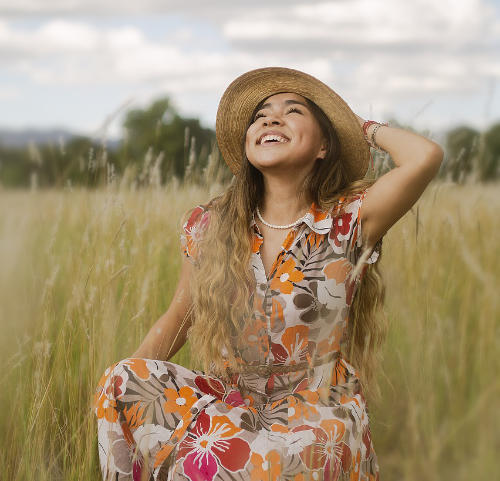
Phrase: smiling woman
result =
(273, 145)
(283, 314)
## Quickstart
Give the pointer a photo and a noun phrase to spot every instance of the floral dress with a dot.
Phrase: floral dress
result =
(169, 423)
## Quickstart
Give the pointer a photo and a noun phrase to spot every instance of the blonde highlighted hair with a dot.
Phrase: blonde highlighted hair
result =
(223, 283)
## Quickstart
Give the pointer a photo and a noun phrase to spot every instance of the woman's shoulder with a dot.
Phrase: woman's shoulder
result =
(197, 216)
(347, 201)
(195, 222)
(196, 212)
(345, 234)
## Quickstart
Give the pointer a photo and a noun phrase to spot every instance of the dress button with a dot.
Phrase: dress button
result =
(263, 286)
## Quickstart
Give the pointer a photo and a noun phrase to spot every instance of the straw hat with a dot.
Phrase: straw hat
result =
(245, 92)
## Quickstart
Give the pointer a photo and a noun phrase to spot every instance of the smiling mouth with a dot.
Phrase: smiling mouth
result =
(271, 143)
(273, 139)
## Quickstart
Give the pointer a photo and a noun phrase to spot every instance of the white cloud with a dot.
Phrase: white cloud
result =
(10, 93)
(72, 52)
(358, 23)
(415, 46)
(402, 48)
(64, 51)
(216, 11)
(380, 55)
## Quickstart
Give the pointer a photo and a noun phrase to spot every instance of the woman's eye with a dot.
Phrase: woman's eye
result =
(292, 109)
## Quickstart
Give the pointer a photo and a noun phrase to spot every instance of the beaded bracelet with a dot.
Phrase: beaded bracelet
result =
(373, 137)
(366, 125)
(372, 141)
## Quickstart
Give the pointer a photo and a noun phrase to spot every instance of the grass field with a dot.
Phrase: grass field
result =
(85, 274)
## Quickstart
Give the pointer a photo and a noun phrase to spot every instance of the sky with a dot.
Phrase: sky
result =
(80, 64)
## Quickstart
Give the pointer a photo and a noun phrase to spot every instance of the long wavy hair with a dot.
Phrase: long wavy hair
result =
(223, 283)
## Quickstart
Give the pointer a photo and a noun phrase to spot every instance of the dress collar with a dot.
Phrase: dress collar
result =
(319, 220)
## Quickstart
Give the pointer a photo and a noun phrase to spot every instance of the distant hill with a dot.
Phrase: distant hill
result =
(19, 138)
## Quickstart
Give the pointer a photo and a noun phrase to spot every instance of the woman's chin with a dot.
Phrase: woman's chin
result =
(268, 165)
(280, 165)
(270, 162)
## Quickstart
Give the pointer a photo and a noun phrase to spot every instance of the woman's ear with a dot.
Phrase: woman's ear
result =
(323, 150)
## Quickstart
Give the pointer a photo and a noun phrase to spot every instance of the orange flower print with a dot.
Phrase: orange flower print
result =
(270, 468)
(257, 241)
(106, 408)
(328, 453)
(285, 276)
(139, 367)
(180, 401)
(108, 389)
(289, 239)
(356, 462)
(314, 239)
(134, 415)
(318, 213)
(340, 374)
(295, 339)
(310, 396)
(338, 270)
(300, 410)
(294, 346)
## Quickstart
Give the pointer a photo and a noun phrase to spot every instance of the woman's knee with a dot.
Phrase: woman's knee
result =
(111, 385)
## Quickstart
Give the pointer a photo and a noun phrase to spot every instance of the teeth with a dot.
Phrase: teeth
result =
(273, 137)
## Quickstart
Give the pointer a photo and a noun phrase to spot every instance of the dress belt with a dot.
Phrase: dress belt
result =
(268, 369)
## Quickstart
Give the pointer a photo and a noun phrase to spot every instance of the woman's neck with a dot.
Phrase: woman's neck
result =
(283, 203)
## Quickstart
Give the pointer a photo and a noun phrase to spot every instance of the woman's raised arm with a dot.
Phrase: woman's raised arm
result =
(168, 333)
(417, 162)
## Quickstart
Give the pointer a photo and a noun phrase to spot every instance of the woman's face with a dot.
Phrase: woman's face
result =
(295, 140)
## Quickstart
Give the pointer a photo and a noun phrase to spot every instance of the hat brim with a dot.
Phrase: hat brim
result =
(245, 92)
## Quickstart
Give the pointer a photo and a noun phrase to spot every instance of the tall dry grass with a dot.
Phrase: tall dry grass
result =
(85, 274)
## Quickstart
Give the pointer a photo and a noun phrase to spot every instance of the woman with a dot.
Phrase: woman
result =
(281, 295)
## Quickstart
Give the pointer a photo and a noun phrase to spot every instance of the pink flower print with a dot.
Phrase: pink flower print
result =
(234, 399)
(211, 444)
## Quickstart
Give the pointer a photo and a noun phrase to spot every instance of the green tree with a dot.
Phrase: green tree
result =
(14, 167)
(79, 161)
(461, 149)
(160, 131)
(489, 158)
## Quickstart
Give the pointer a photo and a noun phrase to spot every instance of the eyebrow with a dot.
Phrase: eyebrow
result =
(287, 102)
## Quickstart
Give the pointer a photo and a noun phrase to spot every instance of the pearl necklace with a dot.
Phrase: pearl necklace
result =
(279, 226)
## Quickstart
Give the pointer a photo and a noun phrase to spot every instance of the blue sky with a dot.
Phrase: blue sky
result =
(75, 63)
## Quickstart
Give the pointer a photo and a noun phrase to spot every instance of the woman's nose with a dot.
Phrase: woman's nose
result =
(271, 121)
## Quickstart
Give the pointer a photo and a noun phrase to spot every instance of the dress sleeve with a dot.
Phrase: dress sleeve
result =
(347, 229)
(192, 231)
